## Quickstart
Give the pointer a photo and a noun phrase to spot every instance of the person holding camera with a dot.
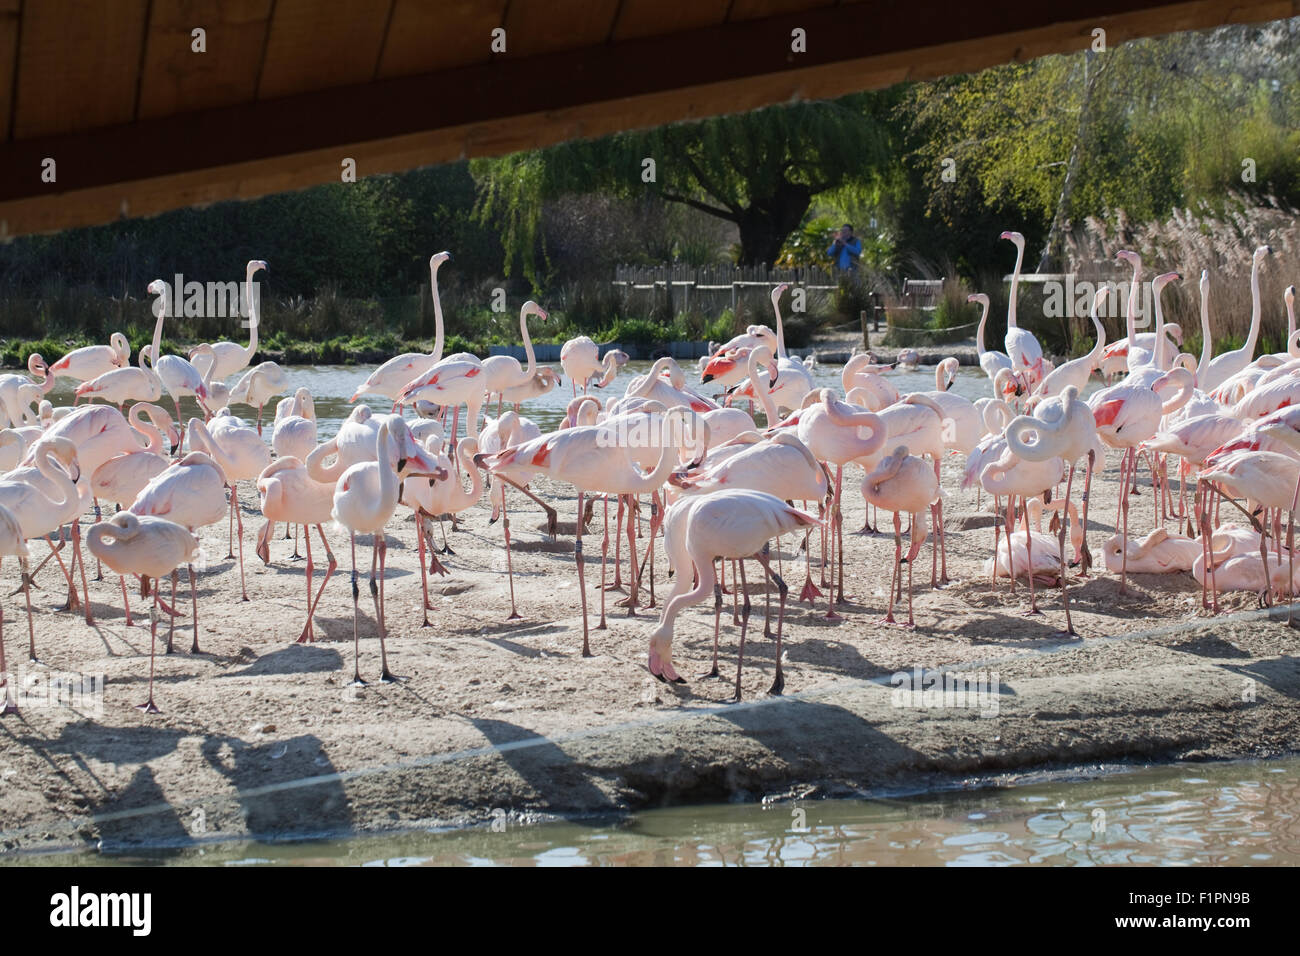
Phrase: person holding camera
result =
(846, 249)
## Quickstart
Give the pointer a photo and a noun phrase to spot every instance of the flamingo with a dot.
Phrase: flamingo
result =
(149, 546)
(389, 379)
(1158, 553)
(735, 523)
(218, 392)
(1228, 364)
(38, 511)
(192, 493)
(903, 482)
(242, 457)
(1014, 476)
(501, 372)
(1045, 558)
(1023, 350)
(991, 361)
(286, 492)
(434, 496)
(227, 358)
(543, 381)
(500, 433)
(861, 375)
(13, 544)
(1075, 372)
(18, 393)
(138, 384)
(728, 363)
(453, 382)
(258, 386)
(92, 361)
(592, 459)
(364, 501)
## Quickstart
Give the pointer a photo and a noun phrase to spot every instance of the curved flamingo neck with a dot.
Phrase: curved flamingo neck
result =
(780, 329)
(152, 435)
(466, 459)
(1207, 350)
(528, 347)
(759, 384)
(437, 312)
(60, 478)
(1015, 286)
(1131, 320)
(1252, 337)
(979, 329)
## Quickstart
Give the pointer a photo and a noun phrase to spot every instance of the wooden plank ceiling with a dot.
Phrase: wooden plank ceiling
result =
(137, 122)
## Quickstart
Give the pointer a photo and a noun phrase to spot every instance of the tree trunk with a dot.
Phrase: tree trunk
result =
(769, 221)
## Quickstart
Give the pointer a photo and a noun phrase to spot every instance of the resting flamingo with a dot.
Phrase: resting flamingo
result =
(147, 546)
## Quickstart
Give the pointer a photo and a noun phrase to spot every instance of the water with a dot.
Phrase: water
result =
(332, 385)
(1242, 813)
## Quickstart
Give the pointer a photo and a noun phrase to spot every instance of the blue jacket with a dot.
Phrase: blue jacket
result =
(848, 254)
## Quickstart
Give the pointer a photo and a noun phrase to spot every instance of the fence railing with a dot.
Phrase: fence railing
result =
(711, 288)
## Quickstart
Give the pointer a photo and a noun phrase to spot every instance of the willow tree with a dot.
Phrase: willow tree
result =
(758, 170)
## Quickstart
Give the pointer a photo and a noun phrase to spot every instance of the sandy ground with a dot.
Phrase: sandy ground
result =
(259, 735)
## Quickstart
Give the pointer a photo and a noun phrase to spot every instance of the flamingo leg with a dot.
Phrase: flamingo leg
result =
(329, 569)
(552, 517)
(778, 680)
(1125, 477)
(239, 519)
(385, 675)
(27, 596)
(510, 571)
(307, 635)
(898, 557)
(1085, 556)
(194, 597)
(618, 547)
(356, 616)
(604, 560)
(126, 605)
(1065, 591)
(717, 626)
(10, 705)
(1029, 560)
(149, 707)
(744, 629)
(77, 556)
(582, 578)
(634, 577)
(424, 572)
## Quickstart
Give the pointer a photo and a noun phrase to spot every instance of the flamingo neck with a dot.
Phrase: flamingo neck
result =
(1015, 285)
(1207, 351)
(1253, 336)
(979, 331)
(60, 478)
(1131, 321)
(437, 314)
(528, 348)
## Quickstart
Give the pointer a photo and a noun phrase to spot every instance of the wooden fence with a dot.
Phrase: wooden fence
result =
(709, 289)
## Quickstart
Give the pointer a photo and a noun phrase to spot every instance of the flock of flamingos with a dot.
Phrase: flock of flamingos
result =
(721, 487)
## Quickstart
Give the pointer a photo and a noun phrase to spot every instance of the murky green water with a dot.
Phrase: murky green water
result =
(1243, 813)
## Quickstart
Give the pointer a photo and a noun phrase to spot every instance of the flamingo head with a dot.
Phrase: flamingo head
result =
(1014, 237)
(1129, 256)
(776, 293)
(157, 287)
(1289, 297)
(532, 308)
(979, 297)
(438, 258)
(257, 265)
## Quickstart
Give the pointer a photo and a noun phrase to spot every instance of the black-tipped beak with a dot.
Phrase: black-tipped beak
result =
(401, 464)
(706, 378)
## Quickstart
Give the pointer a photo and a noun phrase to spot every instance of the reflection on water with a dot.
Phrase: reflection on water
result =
(332, 385)
(1237, 813)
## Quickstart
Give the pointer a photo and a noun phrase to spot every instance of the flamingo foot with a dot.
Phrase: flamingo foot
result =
(662, 669)
(714, 674)
(778, 685)
(810, 591)
(148, 707)
(515, 616)
(388, 677)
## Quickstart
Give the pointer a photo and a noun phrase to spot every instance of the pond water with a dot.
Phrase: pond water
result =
(1241, 813)
(332, 385)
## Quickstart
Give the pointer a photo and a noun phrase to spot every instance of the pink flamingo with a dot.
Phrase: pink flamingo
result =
(13, 544)
(192, 493)
(364, 501)
(1022, 348)
(92, 361)
(438, 496)
(734, 523)
(502, 372)
(258, 386)
(288, 493)
(140, 384)
(592, 459)
(1078, 371)
(242, 456)
(131, 544)
(390, 378)
(903, 482)
(991, 360)
(227, 358)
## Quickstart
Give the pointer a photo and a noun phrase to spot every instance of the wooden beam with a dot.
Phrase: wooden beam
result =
(510, 104)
